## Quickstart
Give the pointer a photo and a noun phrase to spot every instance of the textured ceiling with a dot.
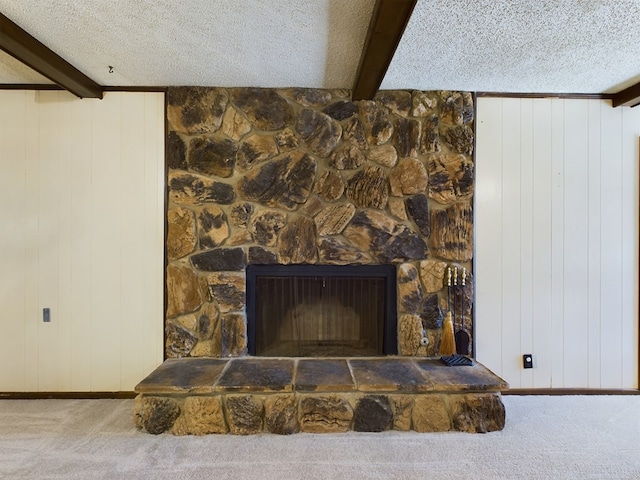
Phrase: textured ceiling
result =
(559, 46)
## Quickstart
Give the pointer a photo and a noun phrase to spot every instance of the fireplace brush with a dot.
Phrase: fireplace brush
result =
(447, 342)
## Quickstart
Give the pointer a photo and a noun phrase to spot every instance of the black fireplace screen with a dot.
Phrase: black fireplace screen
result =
(321, 310)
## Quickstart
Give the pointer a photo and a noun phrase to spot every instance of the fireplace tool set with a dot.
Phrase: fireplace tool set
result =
(454, 344)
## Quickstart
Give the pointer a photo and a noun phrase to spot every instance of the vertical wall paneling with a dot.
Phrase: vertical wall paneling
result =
(541, 313)
(594, 245)
(82, 184)
(13, 191)
(630, 228)
(560, 266)
(488, 234)
(511, 240)
(611, 175)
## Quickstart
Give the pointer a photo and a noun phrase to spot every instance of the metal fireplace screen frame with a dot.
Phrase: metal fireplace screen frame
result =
(338, 292)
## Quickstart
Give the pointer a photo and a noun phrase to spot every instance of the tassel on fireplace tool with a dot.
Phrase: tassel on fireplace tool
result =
(462, 337)
(447, 342)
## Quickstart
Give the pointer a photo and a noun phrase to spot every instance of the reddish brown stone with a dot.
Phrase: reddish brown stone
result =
(332, 220)
(450, 178)
(181, 233)
(347, 157)
(408, 177)
(255, 149)
(368, 188)
(452, 232)
(330, 185)
(183, 294)
(195, 110)
(297, 243)
(407, 135)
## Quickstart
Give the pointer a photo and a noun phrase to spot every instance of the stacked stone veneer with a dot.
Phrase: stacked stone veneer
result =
(298, 176)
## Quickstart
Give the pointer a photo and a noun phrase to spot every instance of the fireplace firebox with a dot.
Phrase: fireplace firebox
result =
(321, 310)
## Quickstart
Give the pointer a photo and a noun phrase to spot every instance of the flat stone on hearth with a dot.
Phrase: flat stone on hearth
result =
(323, 375)
(476, 378)
(179, 375)
(257, 375)
(390, 374)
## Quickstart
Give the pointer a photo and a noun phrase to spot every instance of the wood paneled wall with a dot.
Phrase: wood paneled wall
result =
(82, 215)
(556, 219)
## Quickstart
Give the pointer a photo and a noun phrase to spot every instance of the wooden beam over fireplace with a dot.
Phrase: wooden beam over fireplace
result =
(28, 50)
(389, 19)
(629, 97)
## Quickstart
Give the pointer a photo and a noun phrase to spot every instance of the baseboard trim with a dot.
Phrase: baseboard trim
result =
(65, 395)
(569, 391)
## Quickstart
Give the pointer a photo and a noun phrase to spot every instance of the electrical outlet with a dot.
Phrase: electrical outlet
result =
(527, 360)
(46, 315)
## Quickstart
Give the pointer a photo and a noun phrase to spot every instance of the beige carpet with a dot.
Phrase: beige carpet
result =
(572, 437)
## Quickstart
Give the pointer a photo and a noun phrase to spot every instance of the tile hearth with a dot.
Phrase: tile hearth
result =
(250, 395)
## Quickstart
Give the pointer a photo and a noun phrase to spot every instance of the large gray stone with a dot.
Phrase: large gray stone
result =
(219, 259)
(373, 414)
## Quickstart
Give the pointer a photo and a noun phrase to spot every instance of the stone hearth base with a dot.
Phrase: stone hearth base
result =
(287, 395)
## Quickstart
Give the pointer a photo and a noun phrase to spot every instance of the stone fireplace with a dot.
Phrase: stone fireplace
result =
(308, 177)
(310, 196)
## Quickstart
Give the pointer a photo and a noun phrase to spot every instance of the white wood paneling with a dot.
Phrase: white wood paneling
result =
(556, 262)
(83, 232)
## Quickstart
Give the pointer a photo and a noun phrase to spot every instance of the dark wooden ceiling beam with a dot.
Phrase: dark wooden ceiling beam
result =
(22, 46)
(389, 19)
(629, 97)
